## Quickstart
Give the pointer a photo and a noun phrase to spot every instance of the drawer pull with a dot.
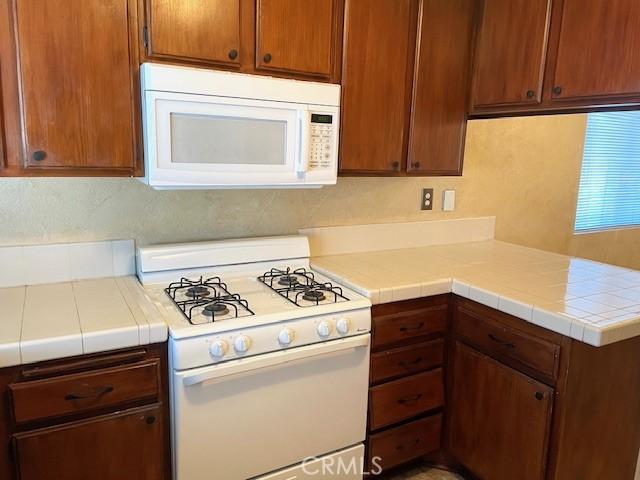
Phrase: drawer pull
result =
(98, 392)
(413, 445)
(410, 364)
(415, 328)
(500, 341)
(410, 399)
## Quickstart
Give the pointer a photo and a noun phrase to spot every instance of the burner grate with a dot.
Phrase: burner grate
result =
(208, 297)
(300, 286)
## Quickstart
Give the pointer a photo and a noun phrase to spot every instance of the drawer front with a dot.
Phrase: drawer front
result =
(398, 445)
(408, 360)
(84, 392)
(408, 326)
(516, 348)
(394, 401)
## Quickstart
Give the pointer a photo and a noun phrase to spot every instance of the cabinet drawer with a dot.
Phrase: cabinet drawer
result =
(408, 326)
(405, 398)
(398, 445)
(84, 392)
(518, 349)
(407, 360)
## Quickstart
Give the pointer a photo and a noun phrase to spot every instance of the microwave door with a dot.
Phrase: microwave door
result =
(217, 141)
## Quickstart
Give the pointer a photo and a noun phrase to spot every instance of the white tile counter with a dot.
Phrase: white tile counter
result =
(90, 302)
(589, 301)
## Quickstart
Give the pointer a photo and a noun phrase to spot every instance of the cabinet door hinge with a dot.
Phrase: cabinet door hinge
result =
(145, 36)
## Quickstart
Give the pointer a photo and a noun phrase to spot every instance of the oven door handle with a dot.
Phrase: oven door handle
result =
(249, 365)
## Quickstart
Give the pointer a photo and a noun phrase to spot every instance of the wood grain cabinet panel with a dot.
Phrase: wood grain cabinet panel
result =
(598, 50)
(117, 446)
(511, 52)
(195, 30)
(400, 444)
(377, 72)
(395, 401)
(499, 418)
(78, 94)
(298, 37)
(85, 392)
(441, 86)
(406, 360)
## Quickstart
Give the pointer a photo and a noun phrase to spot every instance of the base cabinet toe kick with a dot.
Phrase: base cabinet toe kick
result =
(461, 385)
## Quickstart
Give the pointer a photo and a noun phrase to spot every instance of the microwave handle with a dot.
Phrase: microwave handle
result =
(304, 137)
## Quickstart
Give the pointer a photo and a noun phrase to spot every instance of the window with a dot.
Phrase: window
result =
(609, 195)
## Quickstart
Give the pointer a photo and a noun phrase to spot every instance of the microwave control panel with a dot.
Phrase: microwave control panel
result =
(322, 135)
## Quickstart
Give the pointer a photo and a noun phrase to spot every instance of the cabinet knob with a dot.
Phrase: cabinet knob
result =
(150, 420)
(267, 57)
(395, 165)
(39, 155)
(233, 54)
(530, 93)
(416, 165)
(539, 395)
(557, 90)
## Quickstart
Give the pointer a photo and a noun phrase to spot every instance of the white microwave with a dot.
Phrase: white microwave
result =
(212, 129)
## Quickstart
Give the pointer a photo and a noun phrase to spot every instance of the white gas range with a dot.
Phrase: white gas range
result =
(269, 360)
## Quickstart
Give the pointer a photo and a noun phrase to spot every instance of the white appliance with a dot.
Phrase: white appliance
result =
(269, 361)
(213, 129)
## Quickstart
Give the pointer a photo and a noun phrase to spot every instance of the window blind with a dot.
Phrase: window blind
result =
(609, 194)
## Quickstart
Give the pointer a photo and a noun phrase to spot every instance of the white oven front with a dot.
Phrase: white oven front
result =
(252, 417)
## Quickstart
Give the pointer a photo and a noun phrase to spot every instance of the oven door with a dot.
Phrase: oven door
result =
(206, 141)
(249, 417)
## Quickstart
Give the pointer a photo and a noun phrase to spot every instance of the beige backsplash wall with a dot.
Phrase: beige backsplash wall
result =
(523, 170)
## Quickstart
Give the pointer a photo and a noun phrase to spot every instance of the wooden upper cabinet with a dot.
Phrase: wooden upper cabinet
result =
(441, 86)
(377, 73)
(77, 83)
(122, 445)
(598, 50)
(500, 419)
(511, 52)
(194, 31)
(300, 37)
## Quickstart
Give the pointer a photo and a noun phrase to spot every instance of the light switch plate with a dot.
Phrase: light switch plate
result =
(448, 200)
(427, 199)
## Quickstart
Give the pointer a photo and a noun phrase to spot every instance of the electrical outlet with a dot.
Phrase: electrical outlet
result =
(426, 202)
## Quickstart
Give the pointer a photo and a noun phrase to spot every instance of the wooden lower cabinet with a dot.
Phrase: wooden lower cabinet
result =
(407, 378)
(103, 417)
(500, 419)
(120, 445)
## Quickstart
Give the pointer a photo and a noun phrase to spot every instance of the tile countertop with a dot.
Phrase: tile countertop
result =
(49, 321)
(586, 300)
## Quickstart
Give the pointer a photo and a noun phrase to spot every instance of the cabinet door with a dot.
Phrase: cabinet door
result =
(377, 76)
(112, 447)
(194, 30)
(77, 88)
(500, 418)
(598, 52)
(298, 37)
(511, 52)
(441, 85)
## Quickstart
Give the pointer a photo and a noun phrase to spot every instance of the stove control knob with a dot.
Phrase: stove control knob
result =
(286, 336)
(324, 329)
(218, 348)
(241, 344)
(343, 325)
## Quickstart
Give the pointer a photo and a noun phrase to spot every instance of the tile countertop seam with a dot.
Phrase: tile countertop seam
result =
(589, 301)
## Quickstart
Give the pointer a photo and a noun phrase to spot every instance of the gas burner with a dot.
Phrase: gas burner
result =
(198, 291)
(314, 296)
(215, 308)
(206, 300)
(301, 288)
(288, 280)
